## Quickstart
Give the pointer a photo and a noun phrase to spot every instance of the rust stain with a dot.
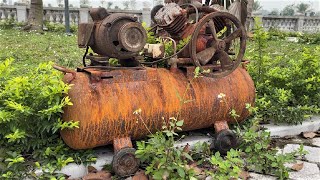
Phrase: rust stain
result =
(105, 110)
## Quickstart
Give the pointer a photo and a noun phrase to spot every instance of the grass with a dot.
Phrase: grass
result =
(29, 49)
(277, 48)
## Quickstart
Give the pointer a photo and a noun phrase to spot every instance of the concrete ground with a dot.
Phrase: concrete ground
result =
(309, 171)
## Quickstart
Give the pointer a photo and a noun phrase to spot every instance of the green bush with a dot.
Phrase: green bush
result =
(10, 23)
(308, 38)
(30, 110)
(288, 87)
(259, 154)
(58, 27)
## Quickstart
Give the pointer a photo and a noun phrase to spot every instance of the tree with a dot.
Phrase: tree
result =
(146, 4)
(158, 2)
(59, 2)
(102, 2)
(302, 8)
(274, 12)
(109, 5)
(288, 10)
(126, 4)
(35, 19)
(133, 4)
(256, 6)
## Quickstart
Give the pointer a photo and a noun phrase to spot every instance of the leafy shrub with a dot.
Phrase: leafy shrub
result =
(164, 161)
(308, 38)
(228, 167)
(58, 27)
(287, 86)
(259, 154)
(313, 38)
(10, 23)
(30, 109)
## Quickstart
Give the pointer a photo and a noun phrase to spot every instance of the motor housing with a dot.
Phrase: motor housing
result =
(115, 35)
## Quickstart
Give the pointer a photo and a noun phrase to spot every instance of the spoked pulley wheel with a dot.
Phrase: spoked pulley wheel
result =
(217, 53)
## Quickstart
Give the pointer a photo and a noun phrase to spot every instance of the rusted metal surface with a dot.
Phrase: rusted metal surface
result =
(120, 143)
(207, 46)
(113, 35)
(132, 37)
(84, 34)
(220, 125)
(98, 14)
(105, 96)
(105, 107)
(218, 46)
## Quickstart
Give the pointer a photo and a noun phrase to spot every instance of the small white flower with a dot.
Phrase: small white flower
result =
(221, 95)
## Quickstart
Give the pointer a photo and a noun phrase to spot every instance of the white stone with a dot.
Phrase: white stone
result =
(290, 130)
(292, 39)
(104, 156)
(74, 170)
(316, 142)
(255, 176)
(313, 152)
(308, 169)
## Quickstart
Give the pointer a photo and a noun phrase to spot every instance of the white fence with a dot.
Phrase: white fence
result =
(56, 14)
(290, 23)
(81, 15)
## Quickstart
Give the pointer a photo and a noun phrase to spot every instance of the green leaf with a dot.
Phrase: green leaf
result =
(181, 172)
(187, 156)
(179, 123)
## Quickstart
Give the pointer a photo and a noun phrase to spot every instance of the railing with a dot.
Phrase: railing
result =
(289, 23)
(8, 12)
(56, 14)
(81, 15)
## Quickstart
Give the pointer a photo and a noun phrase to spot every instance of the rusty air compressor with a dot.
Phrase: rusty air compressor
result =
(105, 96)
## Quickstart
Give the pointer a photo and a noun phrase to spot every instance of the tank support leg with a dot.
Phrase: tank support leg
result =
(124, 162)
(224, 139)
(120, 143)
(220, 125)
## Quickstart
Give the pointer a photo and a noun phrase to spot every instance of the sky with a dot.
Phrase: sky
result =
(280, 4)
(266, 4)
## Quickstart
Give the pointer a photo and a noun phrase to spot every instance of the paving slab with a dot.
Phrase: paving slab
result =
(308, 170)
(291, 130)
(316, 142)
(310, 177)
(313, 152)
(255, 176)
(192, 140)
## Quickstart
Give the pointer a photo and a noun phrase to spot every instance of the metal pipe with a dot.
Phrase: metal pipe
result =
(66, 16)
